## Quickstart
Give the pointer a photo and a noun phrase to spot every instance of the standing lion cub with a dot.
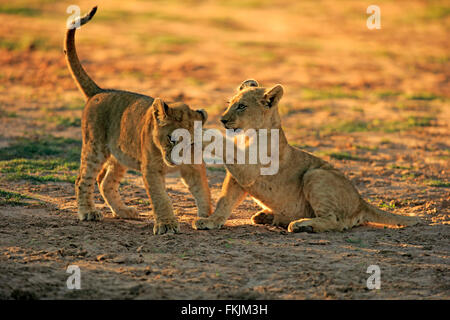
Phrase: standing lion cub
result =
(306, 194)
(128, 130)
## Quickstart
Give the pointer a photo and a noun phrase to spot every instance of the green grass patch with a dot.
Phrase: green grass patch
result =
(8, 114)
(440, 59)
(39, 179)
(437, 183)
(378, 125)
(423, 96)
(170, 39)
(436, 12)
(301, 146)
(390, 205)
(36, 166)
(254, 4)
(21, 11)
(343, 156)
(73, 105)
(165, 43)
(140, 201)
(216, 169)
(137, 74)
(135, 173)
(367, 148)
(39, 170)
(41, 159)
(411, 175)
(346, 127)
(25, 43)
(226, 23)
(194, 81)
(329, 93)
(387, 94)
(395, 166)
(339, 155)
(129, 16)
(43, 147)
(268, 46)
(65, 122)
(11, 198)
(355, 241)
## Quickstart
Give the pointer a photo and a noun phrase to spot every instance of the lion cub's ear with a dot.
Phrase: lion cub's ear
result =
(273, 95)
(161, 110)
(248, 83)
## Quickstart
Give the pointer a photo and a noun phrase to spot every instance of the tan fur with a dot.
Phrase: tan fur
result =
(128, 130)
(307, 193)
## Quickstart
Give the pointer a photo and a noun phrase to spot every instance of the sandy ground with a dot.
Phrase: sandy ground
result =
(373, 103)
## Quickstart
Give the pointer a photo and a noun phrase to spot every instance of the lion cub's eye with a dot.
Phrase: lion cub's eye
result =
(241, 106)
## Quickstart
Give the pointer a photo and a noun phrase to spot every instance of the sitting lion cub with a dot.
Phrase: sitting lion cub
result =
(306, 194)
(123, 129)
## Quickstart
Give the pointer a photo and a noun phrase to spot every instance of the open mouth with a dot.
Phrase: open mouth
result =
(234, 131)
(230, 127)
(169, 162)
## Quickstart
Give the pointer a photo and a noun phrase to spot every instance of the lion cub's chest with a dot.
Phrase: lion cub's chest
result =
(278, 193)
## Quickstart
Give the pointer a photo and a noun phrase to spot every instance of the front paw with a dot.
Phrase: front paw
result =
(263, 217)
(127, 213)
(166, 227)
(206, 224)
(300, 226)
(204, 213)
(89, 215)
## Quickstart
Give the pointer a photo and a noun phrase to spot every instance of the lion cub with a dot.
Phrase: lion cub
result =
(306, 194)
(128, 130)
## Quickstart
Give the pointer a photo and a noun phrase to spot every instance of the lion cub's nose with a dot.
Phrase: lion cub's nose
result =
(224, 121)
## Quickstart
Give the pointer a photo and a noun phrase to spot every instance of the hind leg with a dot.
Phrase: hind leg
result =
(333, 199)
(91, 163)
(108, 183)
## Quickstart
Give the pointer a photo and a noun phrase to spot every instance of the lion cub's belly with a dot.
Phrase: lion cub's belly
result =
(125, 159)
(128, 161)
(286, 201)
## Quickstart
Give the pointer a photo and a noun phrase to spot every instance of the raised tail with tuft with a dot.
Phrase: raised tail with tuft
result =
(84, 82)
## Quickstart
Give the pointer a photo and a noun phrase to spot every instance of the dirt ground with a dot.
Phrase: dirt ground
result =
(375, 103)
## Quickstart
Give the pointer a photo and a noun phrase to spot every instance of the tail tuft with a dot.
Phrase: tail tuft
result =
(83, 20)
(84, 82)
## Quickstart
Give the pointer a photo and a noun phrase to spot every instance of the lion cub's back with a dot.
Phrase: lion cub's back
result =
(118, 116)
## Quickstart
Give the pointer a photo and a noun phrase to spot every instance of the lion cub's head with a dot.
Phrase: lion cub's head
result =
(253, 107)
(169, 118)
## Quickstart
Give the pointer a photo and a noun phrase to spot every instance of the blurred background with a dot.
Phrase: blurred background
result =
(199, 51)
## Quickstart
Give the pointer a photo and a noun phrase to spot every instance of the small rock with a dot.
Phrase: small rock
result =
(319, 242)
(119, 259)
(103, 257)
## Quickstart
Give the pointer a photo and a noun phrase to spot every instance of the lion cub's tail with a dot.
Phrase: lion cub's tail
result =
(84, 82)
(373, 214)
